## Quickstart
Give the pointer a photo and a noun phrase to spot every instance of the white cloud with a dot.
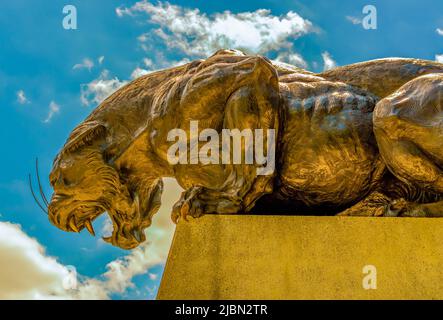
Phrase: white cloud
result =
(54, 108)
(354, 20)
(153, 276)
(161, 63)
(99, 89)
(328, 62)
(143, 37)
(85, 64)
(26, 271)
(122, 11)
(439, 58)
(106, 229)
(138, 72)
(439, 31)
(292, 58)
(198, 34)
(101, 59)
(181, 62)
(147, 62)
(21, 97)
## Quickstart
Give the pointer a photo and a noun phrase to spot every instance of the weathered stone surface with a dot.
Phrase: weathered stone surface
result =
(299, 257)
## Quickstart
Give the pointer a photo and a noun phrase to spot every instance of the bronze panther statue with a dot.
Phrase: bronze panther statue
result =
(364, 139)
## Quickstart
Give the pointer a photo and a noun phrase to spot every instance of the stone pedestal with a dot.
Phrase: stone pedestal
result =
(294, 257)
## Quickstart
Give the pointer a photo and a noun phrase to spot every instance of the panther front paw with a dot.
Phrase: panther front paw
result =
(403, 208)
(188, 205)
(396, 208)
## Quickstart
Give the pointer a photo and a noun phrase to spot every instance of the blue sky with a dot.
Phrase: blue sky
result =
(44, 67)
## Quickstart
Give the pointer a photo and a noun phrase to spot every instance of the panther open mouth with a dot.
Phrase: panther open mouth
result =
(74, 216)
(87, 215)
(130, 214)
(128, 229)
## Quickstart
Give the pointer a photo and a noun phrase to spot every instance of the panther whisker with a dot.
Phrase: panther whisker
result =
(33, 194)
(42, 194)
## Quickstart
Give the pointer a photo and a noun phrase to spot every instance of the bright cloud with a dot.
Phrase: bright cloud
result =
(106, 229)
(353, 20)
(153, 276)
(328, 62)
(197, 34)
(54, 108)
(292, 58)
(26, 271)
(138, 72)
(99, 89)
(439, 58)
(147, 62)
(101, 59)
(179, 63)
(85, 64)
(439, 31)
(21, 97)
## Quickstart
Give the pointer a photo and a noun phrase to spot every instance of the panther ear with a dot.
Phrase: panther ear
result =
(84, 134)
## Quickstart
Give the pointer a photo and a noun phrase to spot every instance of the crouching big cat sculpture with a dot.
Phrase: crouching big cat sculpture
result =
(364, 139)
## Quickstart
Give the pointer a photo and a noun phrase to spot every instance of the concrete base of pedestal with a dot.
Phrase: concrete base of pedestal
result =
(294, 257)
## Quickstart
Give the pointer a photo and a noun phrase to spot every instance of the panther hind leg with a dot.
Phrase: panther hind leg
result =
(408, 127)
(375, 204)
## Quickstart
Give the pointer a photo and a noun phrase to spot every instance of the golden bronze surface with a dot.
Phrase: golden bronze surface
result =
(263, 257)
(364, 139)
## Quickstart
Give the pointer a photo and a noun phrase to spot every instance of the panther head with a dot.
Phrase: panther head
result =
(87, 183)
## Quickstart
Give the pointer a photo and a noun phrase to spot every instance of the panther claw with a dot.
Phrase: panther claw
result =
(184, 210)
(402, 208)
(188, 207)
(391, 213)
